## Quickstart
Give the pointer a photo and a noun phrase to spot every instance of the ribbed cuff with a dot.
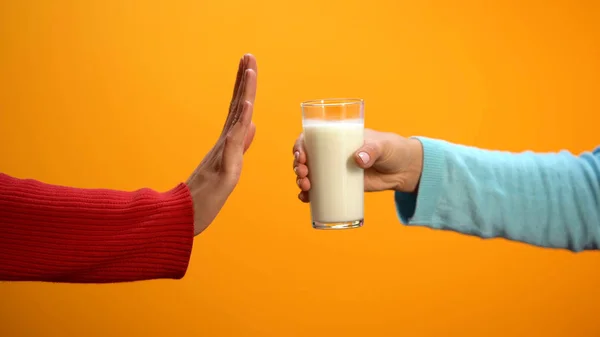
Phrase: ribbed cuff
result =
(179, 227)
(419, 208)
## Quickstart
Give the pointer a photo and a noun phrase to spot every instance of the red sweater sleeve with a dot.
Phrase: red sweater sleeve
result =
(62, 234)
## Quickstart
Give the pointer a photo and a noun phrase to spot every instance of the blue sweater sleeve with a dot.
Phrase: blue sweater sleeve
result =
(549, 200)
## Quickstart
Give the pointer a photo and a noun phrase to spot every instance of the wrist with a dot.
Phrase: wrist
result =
(195, 189)
(207, 199)
(414, 166)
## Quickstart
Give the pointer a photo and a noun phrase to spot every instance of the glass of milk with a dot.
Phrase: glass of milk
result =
(333, 131)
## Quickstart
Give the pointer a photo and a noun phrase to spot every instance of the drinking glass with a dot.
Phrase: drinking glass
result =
(333, 131)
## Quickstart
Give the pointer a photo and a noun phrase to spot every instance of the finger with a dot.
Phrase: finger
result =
(301, 170)
(303, 183)
(238, 78)
(303, 196)
(249, 88)
(234, 105)
(248, 81)
(247, 62)
(234, 144)
(249, 137)
(250, 61)
(367, 155)
(250, 85)
(242, 66)
(298, 150)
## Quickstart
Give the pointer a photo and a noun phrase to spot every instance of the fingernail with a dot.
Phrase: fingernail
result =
(364, 157)
(296, 169)
(298, 182)
(296, 155)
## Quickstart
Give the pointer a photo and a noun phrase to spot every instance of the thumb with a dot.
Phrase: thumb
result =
(249, 137)
(368, 154)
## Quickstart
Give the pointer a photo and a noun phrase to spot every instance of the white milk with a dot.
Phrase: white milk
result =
(337, 182)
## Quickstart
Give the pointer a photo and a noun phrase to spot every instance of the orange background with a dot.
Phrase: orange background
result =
(125, 94)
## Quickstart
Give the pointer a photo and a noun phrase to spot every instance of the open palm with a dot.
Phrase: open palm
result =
(216, 176)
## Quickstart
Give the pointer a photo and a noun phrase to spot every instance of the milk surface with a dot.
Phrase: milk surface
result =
(337, 182)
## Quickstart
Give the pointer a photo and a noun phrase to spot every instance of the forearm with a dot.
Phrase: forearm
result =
(549, 200)
(62, 234)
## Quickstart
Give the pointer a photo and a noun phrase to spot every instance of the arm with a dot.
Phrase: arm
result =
(61, 234)
(548, 200)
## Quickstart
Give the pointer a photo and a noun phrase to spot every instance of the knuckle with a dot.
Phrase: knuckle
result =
(370, 147)
(232, 175)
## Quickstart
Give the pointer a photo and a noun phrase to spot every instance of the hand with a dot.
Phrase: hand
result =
(219, 172)
(391, 162)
